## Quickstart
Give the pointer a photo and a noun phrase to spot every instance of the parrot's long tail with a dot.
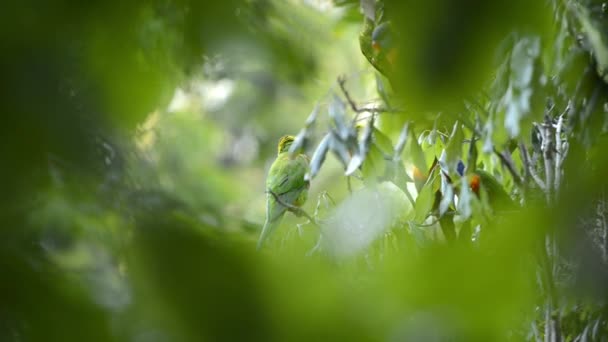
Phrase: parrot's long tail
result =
(267, 230)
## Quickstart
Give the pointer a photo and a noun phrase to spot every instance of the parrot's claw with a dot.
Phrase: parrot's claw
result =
(297, 211)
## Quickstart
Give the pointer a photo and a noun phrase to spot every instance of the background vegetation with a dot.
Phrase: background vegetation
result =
(136, 138)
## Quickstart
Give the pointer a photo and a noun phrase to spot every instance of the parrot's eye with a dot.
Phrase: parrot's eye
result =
(376, 46)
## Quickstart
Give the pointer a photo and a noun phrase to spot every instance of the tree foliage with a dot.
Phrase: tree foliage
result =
(456, 165)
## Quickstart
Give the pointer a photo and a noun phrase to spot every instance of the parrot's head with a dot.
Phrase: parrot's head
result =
(475, 183)
(381, 37)
(284, 143)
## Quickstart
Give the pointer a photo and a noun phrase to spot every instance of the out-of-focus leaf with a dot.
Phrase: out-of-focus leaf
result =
(364, 145)
(472, 155)
(432, 136)
(464, 199)
(354, 164)
(425, 199)
(318, 157)
(381, 88)
(300, 142)
(488, 131)
(444, 56)
(303, 138)
(401, 141)
(453, 149)
(368, 7)
(375, 165)
(597, 37)
(340, 149)
(312, 118)
(363, 217)
(517, 98)
(416, 154)
(447, 193)
(337, 113)
(383, 142)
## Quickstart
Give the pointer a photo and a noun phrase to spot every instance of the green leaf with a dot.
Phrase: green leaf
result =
(340, 149)
(337, 112)
(447, 191)
(363, 217)
(302, 140)
(416, 153)
(318, 157)
(453, 150)
(464, 200)
(472, 156)
(374, 165)
(517, 98)
(383, 142)
(425, 199)
(401, 141)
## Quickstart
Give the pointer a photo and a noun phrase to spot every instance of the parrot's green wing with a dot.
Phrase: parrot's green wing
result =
(286, 181)
(499, 199)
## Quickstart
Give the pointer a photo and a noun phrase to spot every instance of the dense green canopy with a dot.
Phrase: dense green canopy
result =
(456, 170)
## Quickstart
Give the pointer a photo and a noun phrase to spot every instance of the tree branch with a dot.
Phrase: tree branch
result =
(358, 110)
(294, 209)
(559, 153)
(509, 164)
(529, 168)
(548, 148)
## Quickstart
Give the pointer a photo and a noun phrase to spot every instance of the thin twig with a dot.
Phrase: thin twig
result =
(535, 332)
(509, 164)
(341, 83)
(349, 185)
(366, 109)
(558, 151)
(552, 329)
(548, 148)
(530, 168)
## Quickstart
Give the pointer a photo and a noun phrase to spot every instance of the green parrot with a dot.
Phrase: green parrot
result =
(382, 43)
(286, 180)
(497, 196)
(376, 45)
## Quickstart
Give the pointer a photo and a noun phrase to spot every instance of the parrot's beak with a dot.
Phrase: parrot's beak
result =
(376, 46)
(474, 184)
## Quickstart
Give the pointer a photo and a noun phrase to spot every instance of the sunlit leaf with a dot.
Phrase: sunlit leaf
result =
(337, 113)
(488, 131)
(447, 193)
(375, 164)
(363, 217)
(312, 118)
(453, 150)
(464, 200)
(354, 164)
(368, 7)
(318, 157)
(340, 149)
(425, 200)
(402, 140)
(302, 140)
(518, 95)
(596, 34)
(416, 154)
(472, 155)
(364, 146)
